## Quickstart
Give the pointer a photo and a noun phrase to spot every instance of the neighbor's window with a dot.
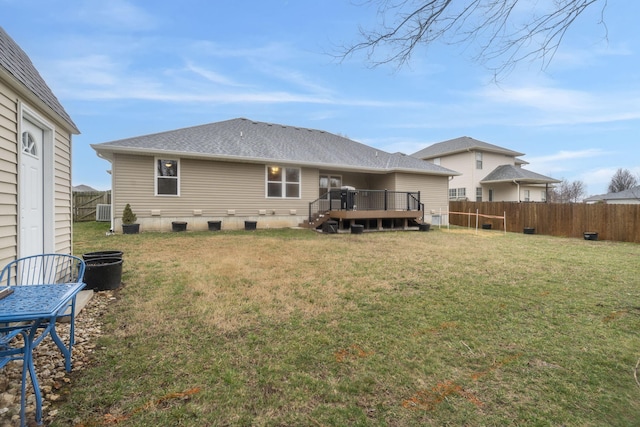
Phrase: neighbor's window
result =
(527, 196)
(457, 193)
(478, 194)
(543, 195)
(436, 161)
(167, 178)
(283, 182)
(478, 160)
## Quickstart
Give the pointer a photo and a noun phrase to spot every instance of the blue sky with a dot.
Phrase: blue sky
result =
(124, 68)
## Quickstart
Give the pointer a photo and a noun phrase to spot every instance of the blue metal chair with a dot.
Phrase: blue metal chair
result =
(48, 269)
(12, 349)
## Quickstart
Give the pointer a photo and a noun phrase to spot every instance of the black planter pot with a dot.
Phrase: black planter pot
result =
(357, 229)
(424, 227)
(179, 226)
(130, 228)
(102, 254)
(529, 230)
(103, 274)
(250, 225)
(214, 225)
(590, 235)
(486, 226)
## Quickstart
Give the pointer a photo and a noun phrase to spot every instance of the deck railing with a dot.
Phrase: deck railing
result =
(365, 200)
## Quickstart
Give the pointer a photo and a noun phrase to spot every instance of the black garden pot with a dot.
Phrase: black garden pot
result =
(179, 226)
(529, 230)
(486, 226)
(424, 227)
(357, 229)
(102, 254)
(590, 235)
(130, 228)
(103, 274)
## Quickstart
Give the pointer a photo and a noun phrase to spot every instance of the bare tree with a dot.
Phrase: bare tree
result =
(496, 28)
(567, 192)
(622, 180)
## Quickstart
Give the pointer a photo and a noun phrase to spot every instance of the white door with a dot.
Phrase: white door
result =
(31, 189)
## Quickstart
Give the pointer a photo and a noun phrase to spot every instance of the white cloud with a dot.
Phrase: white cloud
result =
(562, 156)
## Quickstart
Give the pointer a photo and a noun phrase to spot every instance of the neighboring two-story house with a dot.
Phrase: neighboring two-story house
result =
(488, 172)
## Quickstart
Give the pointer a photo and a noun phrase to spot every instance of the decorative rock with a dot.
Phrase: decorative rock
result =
(49, 364)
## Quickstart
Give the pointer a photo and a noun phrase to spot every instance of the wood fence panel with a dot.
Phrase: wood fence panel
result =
(611, 222)
(85, 202)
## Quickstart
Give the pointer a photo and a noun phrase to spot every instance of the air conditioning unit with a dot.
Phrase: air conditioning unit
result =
(103, 213)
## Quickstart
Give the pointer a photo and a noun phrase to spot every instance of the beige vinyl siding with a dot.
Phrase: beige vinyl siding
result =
(63, 192)
(9, 137)
(434, 190)
(212, 187)
(8, 175)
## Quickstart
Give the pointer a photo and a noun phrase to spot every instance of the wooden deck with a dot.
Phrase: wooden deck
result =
(377, 220)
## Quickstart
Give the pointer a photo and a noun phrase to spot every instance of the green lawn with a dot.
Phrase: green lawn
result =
(293, 328)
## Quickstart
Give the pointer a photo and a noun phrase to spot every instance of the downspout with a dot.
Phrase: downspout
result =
(518, 184)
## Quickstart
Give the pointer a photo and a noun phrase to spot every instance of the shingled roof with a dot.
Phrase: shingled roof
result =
(460, 145)
(245, 140)
(510, 173)
(15, 62)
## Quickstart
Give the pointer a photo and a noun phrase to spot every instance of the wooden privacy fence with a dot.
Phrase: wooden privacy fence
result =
(611, 222)
(85, 203)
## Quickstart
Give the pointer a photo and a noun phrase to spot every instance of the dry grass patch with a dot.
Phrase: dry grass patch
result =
(288, 327)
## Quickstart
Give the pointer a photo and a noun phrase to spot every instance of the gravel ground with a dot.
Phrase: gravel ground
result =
(49, 364)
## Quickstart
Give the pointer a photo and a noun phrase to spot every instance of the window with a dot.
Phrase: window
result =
(283, 182)
(527, 197)
(478, 160)
(328, 183)
(436, 161)
(457, 193)
(167, 178)
(543, 195)
(478, 194)
(29, 144)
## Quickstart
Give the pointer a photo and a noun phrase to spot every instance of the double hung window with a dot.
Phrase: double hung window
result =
(283, 182)
(167, 178)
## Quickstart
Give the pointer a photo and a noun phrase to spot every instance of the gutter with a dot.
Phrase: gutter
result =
(518, 184)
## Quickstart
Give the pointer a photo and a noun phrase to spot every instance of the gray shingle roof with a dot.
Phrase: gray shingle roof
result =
(250, 141)
(459, 145)
(628, 194)
(507, 173)
(17, 64)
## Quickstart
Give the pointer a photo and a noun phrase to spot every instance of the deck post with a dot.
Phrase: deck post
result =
(385, 199)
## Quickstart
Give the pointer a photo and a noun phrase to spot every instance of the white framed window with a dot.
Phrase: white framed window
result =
(478, 160)
(167, 177)
(478, 194)
(436, 161)
(543, 196)
(527, 196)
(283, 182)
(457, 193)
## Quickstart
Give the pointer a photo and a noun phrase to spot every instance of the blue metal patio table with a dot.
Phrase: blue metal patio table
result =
(37, 307)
